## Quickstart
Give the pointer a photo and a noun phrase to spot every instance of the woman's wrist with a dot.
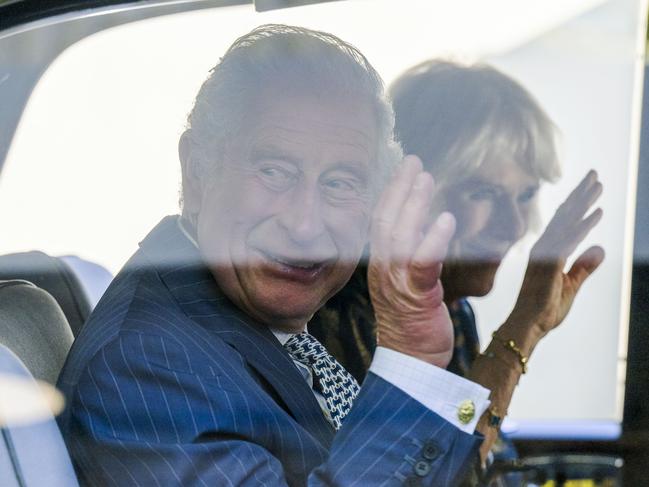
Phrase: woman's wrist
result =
(525, 334)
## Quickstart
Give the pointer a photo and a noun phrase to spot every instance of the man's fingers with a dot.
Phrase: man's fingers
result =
(585, 265)
(396, 192)
(389, 209)
(408, 230)
(425, 265)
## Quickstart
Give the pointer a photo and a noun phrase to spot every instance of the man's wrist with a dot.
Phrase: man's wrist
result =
(459, 401)
(441, 359)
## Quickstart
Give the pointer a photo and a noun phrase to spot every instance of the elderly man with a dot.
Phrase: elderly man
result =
(195, 367)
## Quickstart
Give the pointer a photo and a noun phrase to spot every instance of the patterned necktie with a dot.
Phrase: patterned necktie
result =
(337, 386)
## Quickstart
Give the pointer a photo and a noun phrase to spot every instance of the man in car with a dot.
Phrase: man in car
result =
(196, 369)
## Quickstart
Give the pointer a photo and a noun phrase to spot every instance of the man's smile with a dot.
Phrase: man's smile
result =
(298, 269)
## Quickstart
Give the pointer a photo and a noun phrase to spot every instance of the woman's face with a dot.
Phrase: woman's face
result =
(493, 207)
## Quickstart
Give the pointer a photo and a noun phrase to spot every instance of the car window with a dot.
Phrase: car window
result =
(94, 161)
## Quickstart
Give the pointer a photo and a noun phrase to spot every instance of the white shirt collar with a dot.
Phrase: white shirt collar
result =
(185, 232)
(281, 336)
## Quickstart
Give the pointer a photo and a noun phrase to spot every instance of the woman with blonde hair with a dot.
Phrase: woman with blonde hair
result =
(489, 146)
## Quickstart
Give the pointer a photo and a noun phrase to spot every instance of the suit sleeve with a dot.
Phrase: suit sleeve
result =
(389, 435)
(141, 415)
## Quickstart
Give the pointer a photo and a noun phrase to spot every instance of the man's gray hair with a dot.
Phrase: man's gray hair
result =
(452, 116)
(292, 59)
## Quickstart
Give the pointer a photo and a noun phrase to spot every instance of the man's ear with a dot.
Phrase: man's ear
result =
(191, 183)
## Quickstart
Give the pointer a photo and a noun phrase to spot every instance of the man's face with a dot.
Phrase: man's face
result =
(493, 208)
(285, 220)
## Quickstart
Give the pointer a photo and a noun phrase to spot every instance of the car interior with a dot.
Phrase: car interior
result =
(51, 275)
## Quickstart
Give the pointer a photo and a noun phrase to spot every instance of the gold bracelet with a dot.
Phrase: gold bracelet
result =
(512, 347)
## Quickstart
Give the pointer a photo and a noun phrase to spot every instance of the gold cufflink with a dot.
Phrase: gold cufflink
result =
(466, 411)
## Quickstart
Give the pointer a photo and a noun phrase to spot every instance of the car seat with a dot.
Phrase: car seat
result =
(54, 276)
(33, 327)
(31, 454)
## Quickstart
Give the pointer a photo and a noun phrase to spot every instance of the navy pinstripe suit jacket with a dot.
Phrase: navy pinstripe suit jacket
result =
(170, 384)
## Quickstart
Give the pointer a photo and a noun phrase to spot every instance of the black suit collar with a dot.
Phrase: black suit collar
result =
(182, 271)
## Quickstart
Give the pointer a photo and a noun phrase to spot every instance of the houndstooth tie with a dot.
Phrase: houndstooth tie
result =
(337, 386)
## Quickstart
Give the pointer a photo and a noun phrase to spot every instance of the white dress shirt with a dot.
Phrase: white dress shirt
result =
(438, 389)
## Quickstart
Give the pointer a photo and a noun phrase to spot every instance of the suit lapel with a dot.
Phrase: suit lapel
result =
(196, 292)
(265, 354)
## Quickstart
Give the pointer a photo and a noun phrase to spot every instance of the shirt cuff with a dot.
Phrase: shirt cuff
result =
(456, 399)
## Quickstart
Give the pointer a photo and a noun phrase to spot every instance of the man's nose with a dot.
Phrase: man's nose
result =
(302, 217)
(512, 221)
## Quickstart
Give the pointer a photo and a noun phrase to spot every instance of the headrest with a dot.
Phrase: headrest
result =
(33, 326)
(54, 276)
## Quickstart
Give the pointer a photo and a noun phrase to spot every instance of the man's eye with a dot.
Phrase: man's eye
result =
(275, 176)
(272, 172)
(340, 185)
(343, 188)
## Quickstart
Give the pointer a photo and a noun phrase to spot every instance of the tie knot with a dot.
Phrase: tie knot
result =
(305, 348)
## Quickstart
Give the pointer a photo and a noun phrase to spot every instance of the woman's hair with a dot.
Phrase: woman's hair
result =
(453, 117)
